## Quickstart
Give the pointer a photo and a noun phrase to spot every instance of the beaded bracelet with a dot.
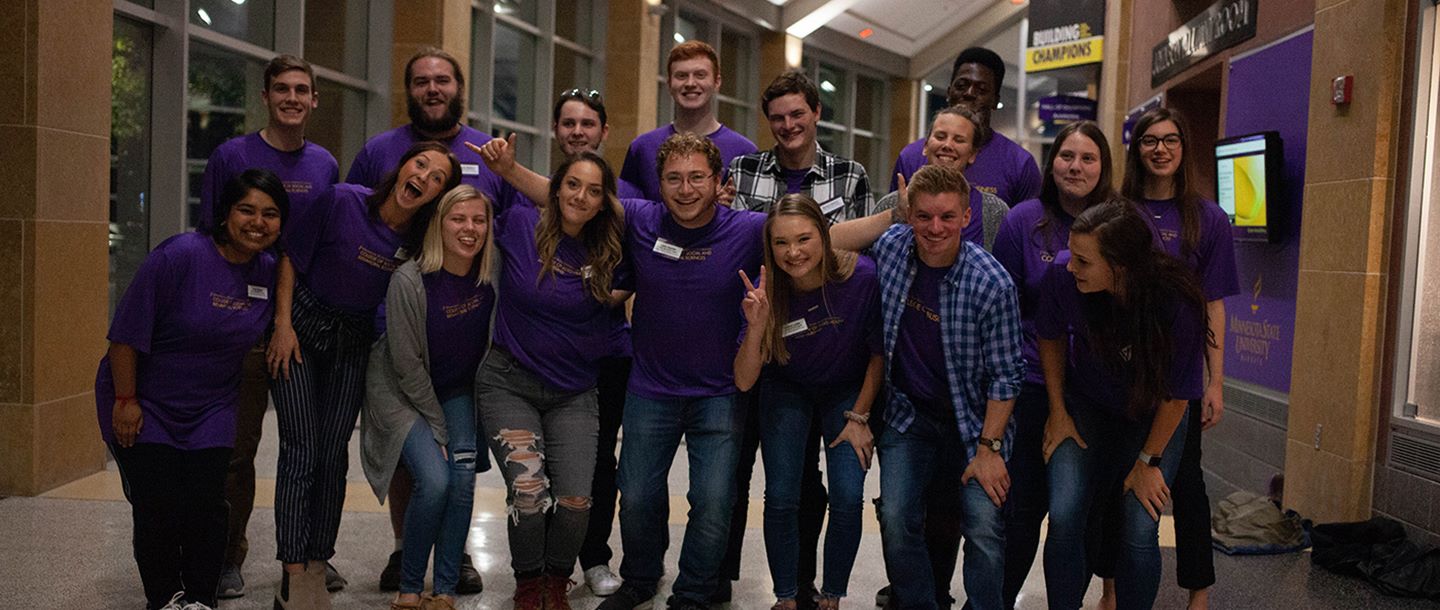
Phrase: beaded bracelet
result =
(861, 418)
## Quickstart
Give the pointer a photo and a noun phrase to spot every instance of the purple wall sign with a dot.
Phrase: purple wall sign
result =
(1269, 90)
(1061, 109)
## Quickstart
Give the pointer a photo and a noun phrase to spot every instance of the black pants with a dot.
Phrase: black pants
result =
(1194, 559)
(813, 498)
(177, 500)
(614, 377)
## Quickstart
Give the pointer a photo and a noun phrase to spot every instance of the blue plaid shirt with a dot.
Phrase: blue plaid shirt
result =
(980, 326)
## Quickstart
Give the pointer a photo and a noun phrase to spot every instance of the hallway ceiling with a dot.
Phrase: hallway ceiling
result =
(905, 27)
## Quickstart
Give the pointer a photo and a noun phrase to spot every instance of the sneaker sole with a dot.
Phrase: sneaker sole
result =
(230, 594)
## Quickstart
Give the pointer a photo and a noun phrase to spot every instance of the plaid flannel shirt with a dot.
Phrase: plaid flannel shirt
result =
(980, 332)
(838, 184)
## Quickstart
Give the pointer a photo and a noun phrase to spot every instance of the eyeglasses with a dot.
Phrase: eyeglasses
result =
(695, 180)
(1171, 142)
(591, 95)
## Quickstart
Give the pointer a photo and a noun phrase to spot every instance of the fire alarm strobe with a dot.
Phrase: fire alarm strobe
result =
(1340, 89)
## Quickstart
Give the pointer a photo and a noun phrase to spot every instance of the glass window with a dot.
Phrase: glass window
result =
(572, 70)
(735, 117)
(525, 148)
(832, 93)
(339, 123)
(223, 102)
(514, 92)
(252, 21)
(688, 27)
(524, 10)
(573, 21)
(335, 35)
(869, 104)
(831, 140)
(735, 52)
(870, 152)
(129, 153)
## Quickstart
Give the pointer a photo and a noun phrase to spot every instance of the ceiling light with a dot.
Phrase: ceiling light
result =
(204, 16)
(929, 87)
(505, 7)
(238, 2)
(827, 86)
(866, 33)
(999, 105)
(679, 38)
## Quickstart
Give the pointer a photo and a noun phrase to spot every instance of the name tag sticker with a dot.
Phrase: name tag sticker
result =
(258, 292)
(832, 206)
(667, 249)
(587, 272)
(794, 327)
(470, 169)
(401, 253)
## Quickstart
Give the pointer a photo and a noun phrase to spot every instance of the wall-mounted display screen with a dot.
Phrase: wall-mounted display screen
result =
(1247, 176)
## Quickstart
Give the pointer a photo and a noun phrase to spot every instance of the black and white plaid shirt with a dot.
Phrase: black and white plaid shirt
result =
(839, 185)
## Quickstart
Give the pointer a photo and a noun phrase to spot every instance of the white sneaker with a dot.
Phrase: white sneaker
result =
(174, 602)
(601, 580)
(196, 606)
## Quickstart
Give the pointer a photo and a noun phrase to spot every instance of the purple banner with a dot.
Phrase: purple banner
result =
(1060, 109)
(1269, 90)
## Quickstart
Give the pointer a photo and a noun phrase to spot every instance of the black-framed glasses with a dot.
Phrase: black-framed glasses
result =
(1171, 142)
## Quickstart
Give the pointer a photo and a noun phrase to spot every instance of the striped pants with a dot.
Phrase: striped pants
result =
(316, 409)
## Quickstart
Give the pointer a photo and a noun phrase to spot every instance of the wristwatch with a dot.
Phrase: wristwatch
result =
(993, 443)
(1152, 461)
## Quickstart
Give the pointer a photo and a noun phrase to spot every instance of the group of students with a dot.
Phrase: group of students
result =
(1004, 342)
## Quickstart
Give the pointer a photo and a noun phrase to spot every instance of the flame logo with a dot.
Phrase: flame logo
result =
(1255, 296)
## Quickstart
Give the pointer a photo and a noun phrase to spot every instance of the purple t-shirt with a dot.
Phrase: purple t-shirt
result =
(381, 155)
(1086, 373)
(457, 323)
(341, 252)
(841, 331)
(640, 169)
(1027, 252)
(918, 363)
(687, 298)
(625, 190)
(1003, 168)
(191, 316)
(794, 179)
(1213, 259)
(551, 324)
(304, 172)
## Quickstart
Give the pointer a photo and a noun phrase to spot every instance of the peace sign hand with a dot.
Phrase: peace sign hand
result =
(755, 305)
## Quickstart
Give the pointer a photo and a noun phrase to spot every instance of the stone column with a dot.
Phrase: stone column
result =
(427, 23)
(55, 123)
(1349, 186)
(632, 59)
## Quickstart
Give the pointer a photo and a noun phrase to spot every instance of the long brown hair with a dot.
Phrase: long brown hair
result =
(1187, 185)
(601, 236)
(415, 234)
(1153, 283)
(835, 267)
(1050, 192)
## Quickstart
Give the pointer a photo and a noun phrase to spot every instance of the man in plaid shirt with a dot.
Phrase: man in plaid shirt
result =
(953, 368)
(797, 164)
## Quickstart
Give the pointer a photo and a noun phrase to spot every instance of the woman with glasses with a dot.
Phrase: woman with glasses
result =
(1077, 177)
(1161, 178)
(1122, 335)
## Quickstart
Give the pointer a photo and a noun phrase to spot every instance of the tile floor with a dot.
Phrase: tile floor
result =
(70, 549)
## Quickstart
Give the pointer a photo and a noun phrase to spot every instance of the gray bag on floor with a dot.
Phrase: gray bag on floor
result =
(1248, 524)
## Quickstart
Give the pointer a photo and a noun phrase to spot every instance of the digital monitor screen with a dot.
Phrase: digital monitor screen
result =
(1244, 182)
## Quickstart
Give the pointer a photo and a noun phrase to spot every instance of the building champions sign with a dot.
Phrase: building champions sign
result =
(1065, 33)
(1225, 24)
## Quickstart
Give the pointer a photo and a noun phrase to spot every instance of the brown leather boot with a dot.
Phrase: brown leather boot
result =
(556, 593)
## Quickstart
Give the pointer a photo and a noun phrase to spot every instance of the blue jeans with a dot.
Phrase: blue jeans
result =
(1084, 478)
(444, 491)
(786, 409)
(910, 463)
(711, 428)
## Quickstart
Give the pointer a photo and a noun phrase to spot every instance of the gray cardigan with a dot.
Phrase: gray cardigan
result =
(397, 381)
(994, 212)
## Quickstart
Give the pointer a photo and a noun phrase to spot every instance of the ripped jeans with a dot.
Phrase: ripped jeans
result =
(444, 492)
(543, 440)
